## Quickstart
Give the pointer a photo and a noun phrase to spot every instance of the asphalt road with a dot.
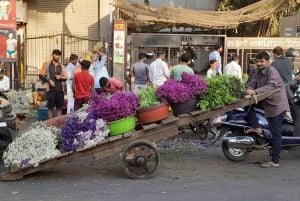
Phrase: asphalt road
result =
(185, 174)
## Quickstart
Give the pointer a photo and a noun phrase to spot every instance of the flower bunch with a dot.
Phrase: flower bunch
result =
(118, 106)
(81, 130)
(175, 91)
(19, 101)
(38, 143)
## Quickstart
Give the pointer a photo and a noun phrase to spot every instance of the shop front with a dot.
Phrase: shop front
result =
(174, 45)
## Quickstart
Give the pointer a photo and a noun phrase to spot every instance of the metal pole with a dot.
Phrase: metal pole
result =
(110, 38)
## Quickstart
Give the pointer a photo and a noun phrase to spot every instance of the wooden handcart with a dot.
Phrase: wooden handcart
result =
(140, 158)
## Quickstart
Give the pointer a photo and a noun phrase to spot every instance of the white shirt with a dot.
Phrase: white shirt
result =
(215, 55)
(210, 73)
(4, 83)
(158, 72)
(234, 69)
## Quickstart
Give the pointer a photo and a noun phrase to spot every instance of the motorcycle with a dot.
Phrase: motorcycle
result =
(237, 144)
(8, 126)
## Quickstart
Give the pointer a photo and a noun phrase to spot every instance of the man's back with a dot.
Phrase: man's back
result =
(179, 69)
(285, 67)
(159, 72)
(83, 84)
(140, 70)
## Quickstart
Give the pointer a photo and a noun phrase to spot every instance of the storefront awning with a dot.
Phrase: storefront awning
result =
(140, 15)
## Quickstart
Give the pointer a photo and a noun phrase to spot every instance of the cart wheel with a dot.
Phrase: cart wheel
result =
(140, 160)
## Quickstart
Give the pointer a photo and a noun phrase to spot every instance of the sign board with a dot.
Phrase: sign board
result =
(8, 27)
(172, 40)
(261, 43)
(288, 32)
(119, 41)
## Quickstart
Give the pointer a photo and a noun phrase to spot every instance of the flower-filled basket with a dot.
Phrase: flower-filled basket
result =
(117, 110)
(182, 95)
(151, 109)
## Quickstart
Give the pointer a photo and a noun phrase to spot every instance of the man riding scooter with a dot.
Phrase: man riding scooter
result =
(266, 79)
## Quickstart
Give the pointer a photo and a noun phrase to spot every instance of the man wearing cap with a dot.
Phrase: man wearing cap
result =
(4, 81)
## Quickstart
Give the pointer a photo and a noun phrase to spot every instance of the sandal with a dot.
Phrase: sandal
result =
(269, 164)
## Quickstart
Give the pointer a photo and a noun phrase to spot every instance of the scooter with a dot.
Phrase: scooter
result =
(8, 126)
(237, 144)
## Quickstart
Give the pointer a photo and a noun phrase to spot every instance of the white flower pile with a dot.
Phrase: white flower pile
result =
(101, 134)
(19, 101)
(37, 144)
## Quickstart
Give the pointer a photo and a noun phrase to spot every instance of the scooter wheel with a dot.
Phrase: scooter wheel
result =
(234, 154)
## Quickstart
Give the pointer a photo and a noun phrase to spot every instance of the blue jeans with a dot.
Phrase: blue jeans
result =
(275, 125)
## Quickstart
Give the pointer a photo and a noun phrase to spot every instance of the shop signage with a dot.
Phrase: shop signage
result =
(186, 39)
(261, 43)
(8, 27)
(171, 40)
(119, 41)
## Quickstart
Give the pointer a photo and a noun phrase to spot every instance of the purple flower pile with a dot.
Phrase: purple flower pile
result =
(175, 91)
(70, 130)
(118, 106)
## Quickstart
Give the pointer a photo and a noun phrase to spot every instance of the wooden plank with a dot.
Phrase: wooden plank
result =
(181, 116)
(169, 120)
(148, 127)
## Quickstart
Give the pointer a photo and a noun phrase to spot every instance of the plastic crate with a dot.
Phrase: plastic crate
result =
(42, 113)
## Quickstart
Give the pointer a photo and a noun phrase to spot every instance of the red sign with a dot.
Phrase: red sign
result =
(8, 28)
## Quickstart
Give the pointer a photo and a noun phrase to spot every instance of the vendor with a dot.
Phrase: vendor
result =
(40, 92)
(110, 85)
(4, 81)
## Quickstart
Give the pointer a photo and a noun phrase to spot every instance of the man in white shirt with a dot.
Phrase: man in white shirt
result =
(159, 71)
(70, 75)
(216, 55)
(4, 81)
(233, 68)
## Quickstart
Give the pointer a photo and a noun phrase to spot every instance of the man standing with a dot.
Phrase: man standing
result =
(100, 69)
(141, 73)
(54, 73)
(182, 67)
(159, 71)
(70, 75)
(83, 85)
(233, 68)
(4, 81)
(266, 79)
(216, 55)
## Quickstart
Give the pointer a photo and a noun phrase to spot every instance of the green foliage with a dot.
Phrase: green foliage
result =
(148, 97)
(221, 90)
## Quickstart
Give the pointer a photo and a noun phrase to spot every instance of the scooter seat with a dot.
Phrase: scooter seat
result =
(290, 140)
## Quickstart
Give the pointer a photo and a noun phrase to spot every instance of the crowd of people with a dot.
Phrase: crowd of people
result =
(82, 78)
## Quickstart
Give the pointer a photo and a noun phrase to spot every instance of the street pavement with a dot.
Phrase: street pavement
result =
(189, 171)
